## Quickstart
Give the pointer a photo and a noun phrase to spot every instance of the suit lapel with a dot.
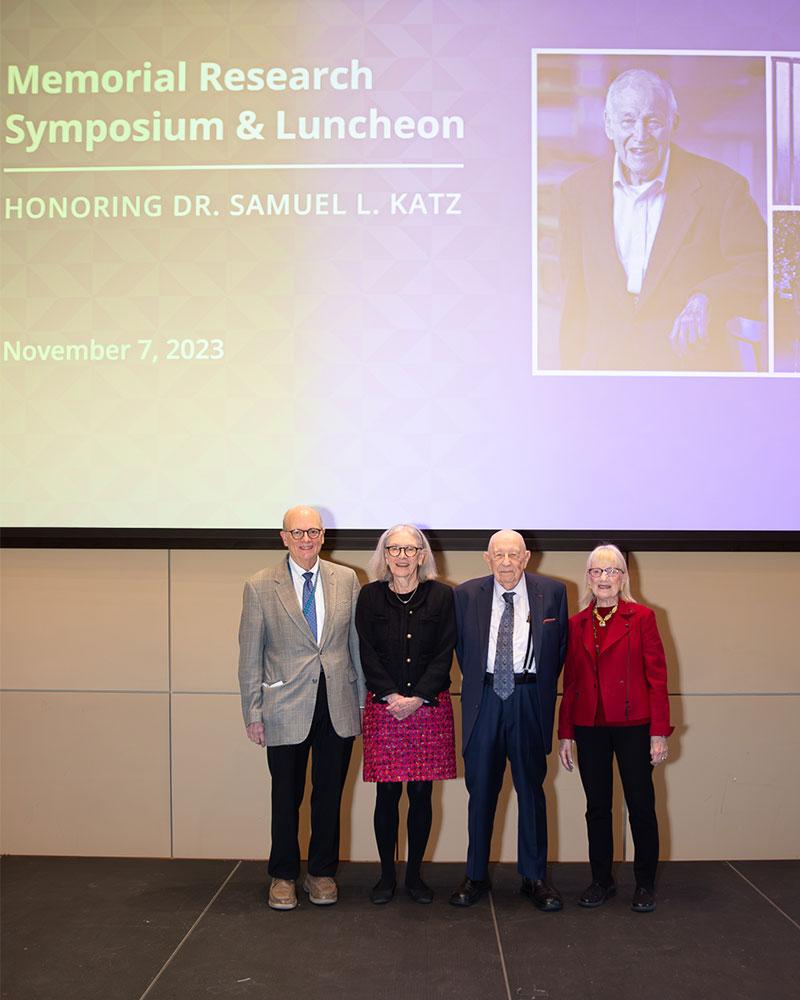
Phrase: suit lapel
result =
(328, 580)
(485, 615)
(536, 608)
(618, 627)
(681, 205)
(284, 588)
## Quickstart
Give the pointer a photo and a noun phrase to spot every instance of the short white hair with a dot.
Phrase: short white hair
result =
(377, 566)
(642, 78)
(619, 561)
(506, 531)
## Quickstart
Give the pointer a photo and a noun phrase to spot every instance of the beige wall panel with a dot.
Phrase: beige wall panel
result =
(355, 559)
(220, 787)
(206, 602)
(85, 774)
(84, 618)
(728, 619)
(220, 784)
(205, 605)
(731, 788)
(448, 840)
(358, 805)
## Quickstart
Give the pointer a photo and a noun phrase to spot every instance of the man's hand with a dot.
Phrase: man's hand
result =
(565, 754)
(401, 707)
(690, 330)
(255, 733)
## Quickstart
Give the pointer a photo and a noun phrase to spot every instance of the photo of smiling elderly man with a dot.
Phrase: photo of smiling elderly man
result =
(662, 252)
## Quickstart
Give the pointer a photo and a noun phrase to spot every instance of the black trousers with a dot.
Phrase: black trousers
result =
(597, 747)
(330, 758)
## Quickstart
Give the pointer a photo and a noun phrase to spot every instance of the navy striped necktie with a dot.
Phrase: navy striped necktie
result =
(309, 603)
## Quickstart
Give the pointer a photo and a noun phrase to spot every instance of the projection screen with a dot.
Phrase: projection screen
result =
(405, 261)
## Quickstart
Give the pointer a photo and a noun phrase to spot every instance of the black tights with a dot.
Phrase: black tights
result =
(387, 820)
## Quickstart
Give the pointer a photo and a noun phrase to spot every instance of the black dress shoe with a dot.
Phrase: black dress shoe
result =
(643, 901)
(420, 892)
(543, 896)
(382, 892)
(596, 894)
(469, 892)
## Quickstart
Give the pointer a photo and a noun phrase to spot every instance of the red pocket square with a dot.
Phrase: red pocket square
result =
(548, 620)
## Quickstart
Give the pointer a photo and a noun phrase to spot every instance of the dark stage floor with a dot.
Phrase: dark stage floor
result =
(107, 929)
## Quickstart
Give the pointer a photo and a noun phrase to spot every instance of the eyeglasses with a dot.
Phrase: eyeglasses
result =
(297, 533)
(595, 573)
(406, 550)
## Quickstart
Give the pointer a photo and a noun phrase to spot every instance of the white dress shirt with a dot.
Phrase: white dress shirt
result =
(522, 625)
(299, 583)
(637, 215)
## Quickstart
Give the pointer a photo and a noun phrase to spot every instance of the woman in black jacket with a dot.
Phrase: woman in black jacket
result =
(407, 632)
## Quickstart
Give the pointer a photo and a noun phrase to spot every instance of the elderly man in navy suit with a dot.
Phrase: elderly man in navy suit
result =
(512, 640)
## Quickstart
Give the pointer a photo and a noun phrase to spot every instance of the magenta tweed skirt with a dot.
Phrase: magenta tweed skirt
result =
(420, 748)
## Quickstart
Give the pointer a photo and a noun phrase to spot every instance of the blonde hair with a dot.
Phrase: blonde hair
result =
(619, 561)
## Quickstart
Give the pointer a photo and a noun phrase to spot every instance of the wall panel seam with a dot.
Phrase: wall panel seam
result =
(82, 691)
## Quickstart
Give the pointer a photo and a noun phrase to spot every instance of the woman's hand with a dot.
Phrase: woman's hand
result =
(401, 707)
(658, 750)
(565, 754)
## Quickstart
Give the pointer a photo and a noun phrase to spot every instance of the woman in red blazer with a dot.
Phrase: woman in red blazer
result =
(615, 705)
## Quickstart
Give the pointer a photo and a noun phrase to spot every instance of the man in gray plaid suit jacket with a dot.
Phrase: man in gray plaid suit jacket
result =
(302, 689)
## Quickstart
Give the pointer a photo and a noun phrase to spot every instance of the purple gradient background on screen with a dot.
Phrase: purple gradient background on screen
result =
(486, 443)
(400, 374)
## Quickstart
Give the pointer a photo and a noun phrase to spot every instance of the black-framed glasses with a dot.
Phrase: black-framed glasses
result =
(595, 572)
(406, 550)
(297, 533)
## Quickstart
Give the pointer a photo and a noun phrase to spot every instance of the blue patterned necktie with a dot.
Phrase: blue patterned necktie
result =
(503, 683)
(310, 604)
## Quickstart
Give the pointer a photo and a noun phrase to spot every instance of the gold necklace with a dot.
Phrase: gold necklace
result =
(603, 620)
(410, 596)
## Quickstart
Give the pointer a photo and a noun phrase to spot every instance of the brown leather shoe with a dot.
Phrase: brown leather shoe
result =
(282, 895)
(321, 890)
